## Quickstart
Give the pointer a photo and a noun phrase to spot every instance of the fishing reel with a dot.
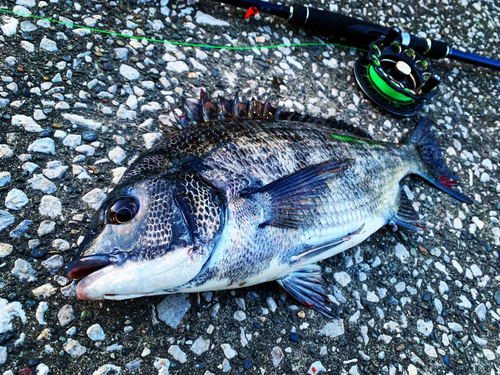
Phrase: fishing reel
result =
(395, 77)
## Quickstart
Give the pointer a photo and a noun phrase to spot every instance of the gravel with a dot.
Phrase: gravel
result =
(77, 107)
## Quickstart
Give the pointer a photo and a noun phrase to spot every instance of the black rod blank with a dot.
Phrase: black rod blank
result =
(359, 31)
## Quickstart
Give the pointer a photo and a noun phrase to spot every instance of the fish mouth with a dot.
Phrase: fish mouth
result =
(82, 267)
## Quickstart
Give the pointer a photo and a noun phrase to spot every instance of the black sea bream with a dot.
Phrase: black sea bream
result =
(244, 194)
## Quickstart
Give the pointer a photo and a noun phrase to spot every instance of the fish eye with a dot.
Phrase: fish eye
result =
(123, 210)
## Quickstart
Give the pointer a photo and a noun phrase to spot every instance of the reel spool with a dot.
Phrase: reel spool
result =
(396, 77)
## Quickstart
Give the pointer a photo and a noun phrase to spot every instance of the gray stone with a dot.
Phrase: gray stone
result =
(481, 312)
(43, 145)
(54, 169)
(65, 315)
(40, 311)
(134, 365)
(334, 328)
(27, 123)
(342, 278)
(48, 45)
(46, 227)
(6, 219)
(94, 198)
(455, 327)
(72, 140)
(226, 366)
(239, 316)
(69, 290)
(271, 304)
(151, 138)
(44, 291)
(39, 182)
(121, 53)
(5, 151)
(23, 271)
(162, 365)
(124, 114)
(318, 367)
(108, 369)
(86, 150)
(16, 199)
(22, 227)
(173, 308)
(177, 67)
(476, 271)
(228, 351)
(9, 26)
(60, 244)
(132, 102)
(82, 121)
(29, 167)
(53, 263)
(42, 369)
(5, 177)
(50, 206)
(74, 348)
(200, 346)
(129, 73)
(117, 155)
(205, 19)
(489, 355)
(3, 357)
(5, 249)
(277, 355)
(177, 353)
(96, 333)
(430, 350)
(425, 328)
(114, 348)
(401, 252)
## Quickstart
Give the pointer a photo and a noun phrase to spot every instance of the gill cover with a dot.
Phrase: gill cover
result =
(148, 236)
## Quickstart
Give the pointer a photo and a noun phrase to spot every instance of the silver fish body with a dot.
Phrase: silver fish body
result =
(239, 201)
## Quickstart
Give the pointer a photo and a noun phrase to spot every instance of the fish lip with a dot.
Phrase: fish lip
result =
(84, 288)
(82, 267)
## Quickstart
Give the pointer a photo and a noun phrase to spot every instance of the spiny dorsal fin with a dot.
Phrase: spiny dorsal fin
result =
(207, 110)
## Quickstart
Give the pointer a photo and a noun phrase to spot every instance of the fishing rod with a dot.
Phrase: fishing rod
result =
(395, 74)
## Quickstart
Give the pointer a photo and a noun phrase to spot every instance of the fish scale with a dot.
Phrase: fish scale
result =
(258, 197)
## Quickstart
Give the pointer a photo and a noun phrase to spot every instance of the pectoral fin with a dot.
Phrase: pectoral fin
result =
(293, 197)
(316, 250)
(306, 285)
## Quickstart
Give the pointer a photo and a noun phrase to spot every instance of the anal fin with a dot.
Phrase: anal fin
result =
(406, 216)
(306, 286)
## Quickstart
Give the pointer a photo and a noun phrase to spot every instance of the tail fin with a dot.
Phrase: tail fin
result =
(434, 170)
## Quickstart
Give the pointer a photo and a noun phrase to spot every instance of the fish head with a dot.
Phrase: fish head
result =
(148, 237)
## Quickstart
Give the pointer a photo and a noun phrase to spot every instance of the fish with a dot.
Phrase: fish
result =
(244, 193)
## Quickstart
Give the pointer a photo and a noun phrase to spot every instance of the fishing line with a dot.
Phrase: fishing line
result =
(179, 43)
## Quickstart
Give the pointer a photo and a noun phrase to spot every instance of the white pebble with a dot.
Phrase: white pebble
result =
(43, 145)
(129, 73)
(50, 206)
(16, 199)
(96, 333)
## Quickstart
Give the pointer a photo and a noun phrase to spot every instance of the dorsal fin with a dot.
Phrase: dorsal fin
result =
(207, 110)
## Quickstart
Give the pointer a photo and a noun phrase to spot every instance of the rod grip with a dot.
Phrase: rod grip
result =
(335, 24)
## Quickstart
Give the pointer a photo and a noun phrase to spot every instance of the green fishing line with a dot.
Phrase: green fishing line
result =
(177, 43)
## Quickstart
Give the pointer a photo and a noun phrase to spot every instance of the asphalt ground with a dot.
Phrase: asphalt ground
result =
(411, 302)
